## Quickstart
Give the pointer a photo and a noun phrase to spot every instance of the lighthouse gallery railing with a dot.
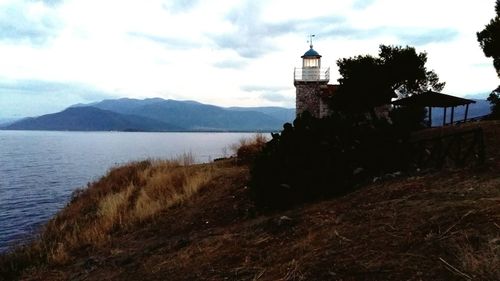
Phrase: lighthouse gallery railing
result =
(311, 74)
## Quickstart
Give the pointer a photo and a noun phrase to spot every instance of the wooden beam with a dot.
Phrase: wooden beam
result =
(466, 112)
(444, 117)
(430, 117)
(452, 113)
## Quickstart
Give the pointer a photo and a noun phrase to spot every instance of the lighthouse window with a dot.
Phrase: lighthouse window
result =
(311, 63)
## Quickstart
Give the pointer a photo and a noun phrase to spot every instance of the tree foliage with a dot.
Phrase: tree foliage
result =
(369, 81)
(316, 158)
(489, 39)
(494, 99)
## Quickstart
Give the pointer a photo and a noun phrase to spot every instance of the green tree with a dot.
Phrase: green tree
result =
(369, 81)
(494, 99)
(489, 40)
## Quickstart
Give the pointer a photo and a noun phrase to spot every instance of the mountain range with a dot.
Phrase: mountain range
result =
(157, 114)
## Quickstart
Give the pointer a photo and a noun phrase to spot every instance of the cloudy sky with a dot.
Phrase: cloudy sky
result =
(54, 53)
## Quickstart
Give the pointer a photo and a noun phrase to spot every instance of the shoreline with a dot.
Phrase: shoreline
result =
(422, 225)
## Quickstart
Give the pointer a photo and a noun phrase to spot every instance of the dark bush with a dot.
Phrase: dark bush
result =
(317, 158)
(411, 118)
(248, 149)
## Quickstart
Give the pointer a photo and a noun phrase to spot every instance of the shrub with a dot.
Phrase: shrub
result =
(248, 149)
(412, 118)
(494, 99)
(315, 158)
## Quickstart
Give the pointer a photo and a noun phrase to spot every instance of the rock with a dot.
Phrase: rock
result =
(284, 220)
(357, 171)
(284, 185)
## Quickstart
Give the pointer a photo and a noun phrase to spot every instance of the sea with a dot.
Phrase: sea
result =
(39, 170)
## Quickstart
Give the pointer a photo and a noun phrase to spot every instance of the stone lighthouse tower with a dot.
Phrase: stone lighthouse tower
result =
(310, 81)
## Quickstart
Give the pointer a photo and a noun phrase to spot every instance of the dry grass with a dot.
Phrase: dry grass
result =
(128, 195)
(480, 260)
(248, 148)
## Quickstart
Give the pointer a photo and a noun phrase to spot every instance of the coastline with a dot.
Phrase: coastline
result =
(440, 226)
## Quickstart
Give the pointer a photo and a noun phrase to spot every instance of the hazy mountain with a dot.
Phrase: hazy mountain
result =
(280, 113)
(480, 108)
(123, 105)
(90, 119)
(8, 121)
(157, 115)
(170, 115)
(193, 115)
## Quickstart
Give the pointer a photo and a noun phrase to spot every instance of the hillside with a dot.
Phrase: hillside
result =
(157, 114)
(90, 119)
(432, 226)
(280, 113)
(196, 116)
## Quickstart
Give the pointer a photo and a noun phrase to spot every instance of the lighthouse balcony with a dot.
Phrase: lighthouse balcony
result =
(311, 75)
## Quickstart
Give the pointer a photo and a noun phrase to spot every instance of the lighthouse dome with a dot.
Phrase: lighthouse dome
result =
(311, 53)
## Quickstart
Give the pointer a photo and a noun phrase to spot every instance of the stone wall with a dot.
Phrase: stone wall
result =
(308, 98)
(324, 109)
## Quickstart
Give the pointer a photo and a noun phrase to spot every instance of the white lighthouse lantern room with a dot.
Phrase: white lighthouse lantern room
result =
(311, 67)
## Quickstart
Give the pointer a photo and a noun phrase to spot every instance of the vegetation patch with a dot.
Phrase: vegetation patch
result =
(319, 158)
(128, 195)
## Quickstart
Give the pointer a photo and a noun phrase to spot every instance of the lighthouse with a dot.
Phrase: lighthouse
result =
(310, 80)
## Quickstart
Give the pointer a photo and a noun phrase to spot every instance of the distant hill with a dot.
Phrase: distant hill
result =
(196, 116)
(157, 114)
(280, 113)
(90, 119)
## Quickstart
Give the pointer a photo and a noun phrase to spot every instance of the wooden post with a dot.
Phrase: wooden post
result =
(444, 117)
(430, 117)
(452, 113)
(466, 112)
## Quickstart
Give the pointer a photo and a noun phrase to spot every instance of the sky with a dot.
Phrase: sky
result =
(55, 53)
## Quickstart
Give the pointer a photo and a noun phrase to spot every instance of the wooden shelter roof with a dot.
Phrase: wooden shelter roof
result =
(433, 99)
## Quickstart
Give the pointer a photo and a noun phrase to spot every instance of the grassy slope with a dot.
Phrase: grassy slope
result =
(442, 226)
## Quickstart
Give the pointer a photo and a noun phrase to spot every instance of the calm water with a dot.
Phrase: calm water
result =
(39, 170)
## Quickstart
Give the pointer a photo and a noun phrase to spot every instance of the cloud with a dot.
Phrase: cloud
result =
(253, 37)
(276, 97)
(51, 3)
(170, 42)
(419, 38)
(270, 93)
(483, 65)
(362, 4)
(348, 32)
(179, 5)
(259, 88)
(231, 64)
(249, 39)
(24, 98)
(19, 23)
(40, 88)
(408, 35)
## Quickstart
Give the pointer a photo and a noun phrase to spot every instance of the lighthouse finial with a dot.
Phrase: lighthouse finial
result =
(311, 40)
